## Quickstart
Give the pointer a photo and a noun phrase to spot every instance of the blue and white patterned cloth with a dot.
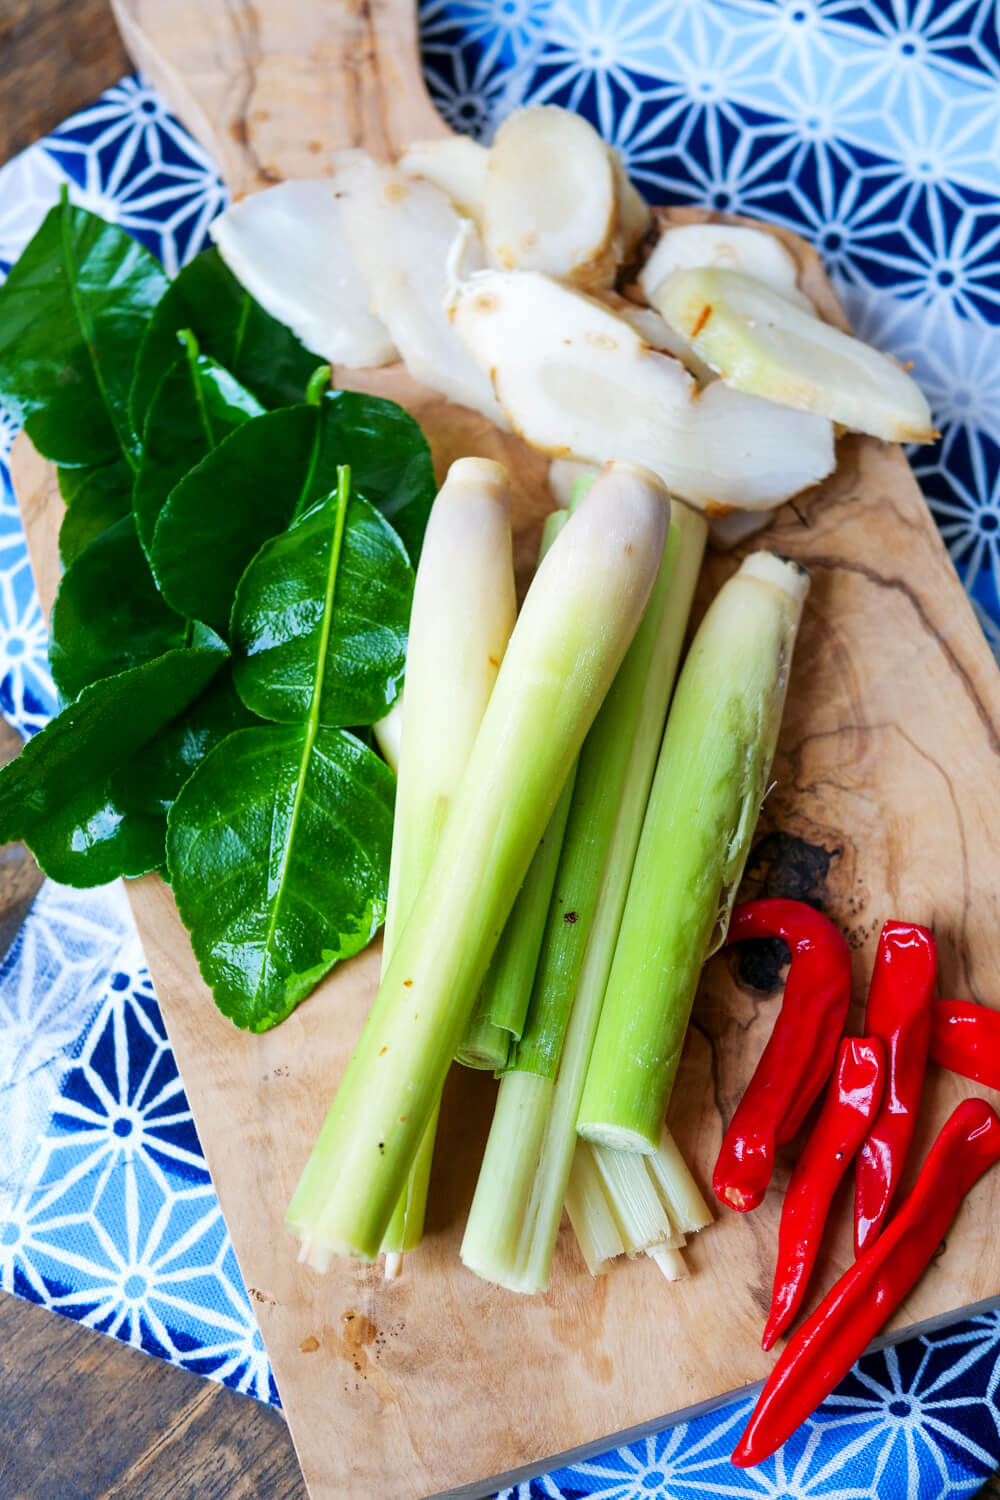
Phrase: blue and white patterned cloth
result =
(873, 128)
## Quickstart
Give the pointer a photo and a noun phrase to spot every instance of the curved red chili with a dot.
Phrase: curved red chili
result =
(899, 1014)
(854, 1096)
(838, 1332)
(965, 1037)
(797, 1060)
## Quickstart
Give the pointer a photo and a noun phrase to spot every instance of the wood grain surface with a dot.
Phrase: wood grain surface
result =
(83, 1417)
(55, 57)
(886, 785)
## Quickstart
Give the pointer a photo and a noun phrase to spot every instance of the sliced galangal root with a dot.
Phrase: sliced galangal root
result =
(733, 247)
(456, 165)
(286, 245)
(577, 382)
(402, 229)
(659, 335)
(761, 345)
(551, 198)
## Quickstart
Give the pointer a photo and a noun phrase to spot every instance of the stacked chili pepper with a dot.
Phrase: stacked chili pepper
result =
(870, 1109)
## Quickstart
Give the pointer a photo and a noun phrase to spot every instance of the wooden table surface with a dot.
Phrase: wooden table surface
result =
(83, 1417)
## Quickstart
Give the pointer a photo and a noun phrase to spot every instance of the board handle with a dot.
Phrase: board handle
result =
(271, 88)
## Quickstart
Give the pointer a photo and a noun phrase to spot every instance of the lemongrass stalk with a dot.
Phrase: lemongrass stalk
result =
(590, 1215)
(498, 1018)
(577, 622)
(626, 1178)
(389, 734)
(671, 1262)
(703, 808)
(464, 607)
(606, 773)
(635, 1204)
(511, 1232)
(678, 1189)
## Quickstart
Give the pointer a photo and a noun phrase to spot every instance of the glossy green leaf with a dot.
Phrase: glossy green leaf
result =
(95, 499)
(107, 615)
(72, 313)
(68, 793)
(229, 325)
(152, 781)
(321, 604)
(197, 405)
(274, 468)
(278, 851)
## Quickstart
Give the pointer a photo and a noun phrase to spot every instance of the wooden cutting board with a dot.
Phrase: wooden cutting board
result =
(885, 804)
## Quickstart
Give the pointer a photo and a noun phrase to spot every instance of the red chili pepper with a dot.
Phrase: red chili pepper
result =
(838, 1332)
(899, 1014)
(965, 1037)
(854, 1096)
(797, 1060)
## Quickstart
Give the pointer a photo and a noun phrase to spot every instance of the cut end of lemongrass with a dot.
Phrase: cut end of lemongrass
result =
(615, 1138)
(486, 474)
(393, 1265)
(319, 1254)
(671, 1262)
(675, 1183)
(551, 198)
(764, 346)
(781, 572)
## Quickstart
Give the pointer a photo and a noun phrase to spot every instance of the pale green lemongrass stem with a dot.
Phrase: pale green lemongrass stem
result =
(590, 1216)
(498, 1020)
(499, 1220)
(577, 622)
(389, 733)
(710, 782)
(671, 1262)
(629, 1179)
(502, 1004)
(635, 1203)
(464, 607)
(678, 1189)
(609, 771)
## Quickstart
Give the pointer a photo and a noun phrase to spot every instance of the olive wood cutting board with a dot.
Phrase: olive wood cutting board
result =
(885, 804)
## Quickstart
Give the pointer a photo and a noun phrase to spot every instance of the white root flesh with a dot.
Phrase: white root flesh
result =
(733, 247)
(402, 229)
(456, 165)
(763, 346)
(578, 382)
(659, 335)
(551, 199)
(286, 245)
(633, 211)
